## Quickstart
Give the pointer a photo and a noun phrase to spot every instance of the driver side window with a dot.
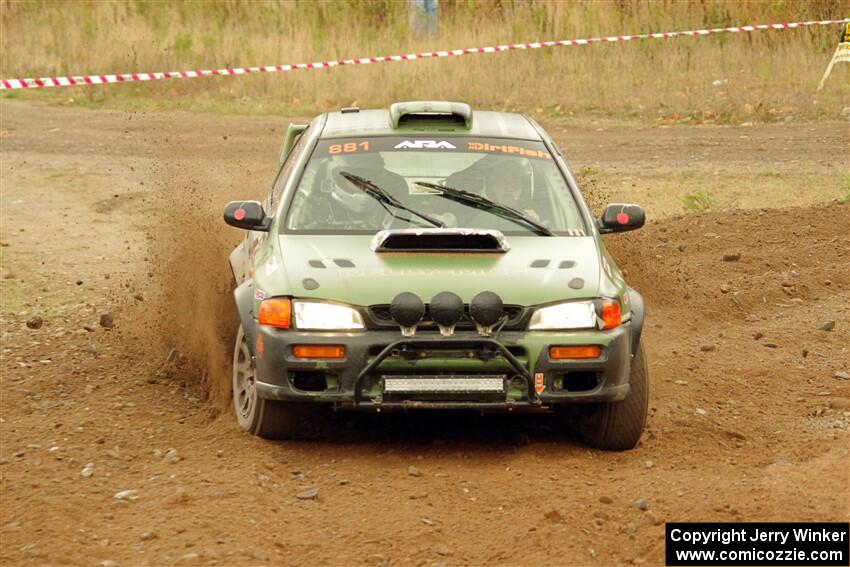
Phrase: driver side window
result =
(273, 198)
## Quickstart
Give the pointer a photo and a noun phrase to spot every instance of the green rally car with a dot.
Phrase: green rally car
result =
(428, 256)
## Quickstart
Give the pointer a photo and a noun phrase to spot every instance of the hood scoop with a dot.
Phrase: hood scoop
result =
(440, 240)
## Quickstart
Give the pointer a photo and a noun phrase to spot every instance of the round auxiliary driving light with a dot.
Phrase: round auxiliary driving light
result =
(486, 309)
(407, 310)
(446, 310)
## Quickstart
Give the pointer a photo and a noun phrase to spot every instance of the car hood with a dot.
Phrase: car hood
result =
(344, 268)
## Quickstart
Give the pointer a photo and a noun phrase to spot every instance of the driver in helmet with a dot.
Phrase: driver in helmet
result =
(358, 204)
(509, 187)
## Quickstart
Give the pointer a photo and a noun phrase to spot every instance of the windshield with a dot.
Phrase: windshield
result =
(333, 196)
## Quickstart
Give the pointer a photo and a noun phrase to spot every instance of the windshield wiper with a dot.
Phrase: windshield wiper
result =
(385, 198)
(485, 204)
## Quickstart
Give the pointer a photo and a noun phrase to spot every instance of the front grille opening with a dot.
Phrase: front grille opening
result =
(431, 352)
(312, 380)
(380, 314)
(578, 381)
(375, 350)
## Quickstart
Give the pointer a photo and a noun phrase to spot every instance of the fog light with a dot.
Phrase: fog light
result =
(407, 310)
(318, 351)
(574, 352)
(486, 309)
(446, 311)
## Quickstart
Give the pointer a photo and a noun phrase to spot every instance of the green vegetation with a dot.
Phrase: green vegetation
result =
(763, 76)
(697, 202)
(845, 188)
(589, 170)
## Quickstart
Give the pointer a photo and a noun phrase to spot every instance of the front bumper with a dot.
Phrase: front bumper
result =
(521, 357)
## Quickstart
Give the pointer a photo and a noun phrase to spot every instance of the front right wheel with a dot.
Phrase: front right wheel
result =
(270, 419)
(617, 426)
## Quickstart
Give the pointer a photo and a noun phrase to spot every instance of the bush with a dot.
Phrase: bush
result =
(697, 202)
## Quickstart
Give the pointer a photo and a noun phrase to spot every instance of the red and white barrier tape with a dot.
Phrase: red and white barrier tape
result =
(43, 82)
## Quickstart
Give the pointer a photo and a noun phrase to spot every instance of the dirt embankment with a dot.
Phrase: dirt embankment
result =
(118, 215)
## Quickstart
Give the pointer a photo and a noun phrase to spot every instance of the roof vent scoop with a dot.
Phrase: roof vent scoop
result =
(440, 240)
(431, 112)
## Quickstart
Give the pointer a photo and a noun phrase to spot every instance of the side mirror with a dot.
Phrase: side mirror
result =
(247, 214)
(620, 217)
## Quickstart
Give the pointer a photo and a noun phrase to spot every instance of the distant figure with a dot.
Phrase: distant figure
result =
(423, 16)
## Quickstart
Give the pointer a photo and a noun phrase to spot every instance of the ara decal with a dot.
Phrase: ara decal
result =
(425, 145)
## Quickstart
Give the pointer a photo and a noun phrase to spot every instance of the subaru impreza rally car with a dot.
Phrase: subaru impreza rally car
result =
(427, 256)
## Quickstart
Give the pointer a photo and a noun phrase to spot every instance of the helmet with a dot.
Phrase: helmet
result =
(514, 171)
(346, 195)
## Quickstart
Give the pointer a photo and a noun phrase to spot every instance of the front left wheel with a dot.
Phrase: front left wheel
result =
(270, 419)
(617, 426)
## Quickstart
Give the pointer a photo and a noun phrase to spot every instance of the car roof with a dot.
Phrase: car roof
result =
(352, 122)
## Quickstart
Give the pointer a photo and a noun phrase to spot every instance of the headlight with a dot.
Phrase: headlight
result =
(318, 316)
(572, 315)
(597, 314)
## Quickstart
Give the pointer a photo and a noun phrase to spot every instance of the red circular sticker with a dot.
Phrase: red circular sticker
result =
(622, 218)
(239, 214)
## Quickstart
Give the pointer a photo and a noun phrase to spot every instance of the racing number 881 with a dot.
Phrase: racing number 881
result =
(348, 148)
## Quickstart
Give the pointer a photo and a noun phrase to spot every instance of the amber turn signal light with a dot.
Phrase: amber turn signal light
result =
(318, 351)
(611, 315)
(276, 312)
(573, 352)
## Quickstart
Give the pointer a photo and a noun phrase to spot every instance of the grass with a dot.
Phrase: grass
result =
(675, 191)
(589, 170)
(845, 188)
(729, 78)
(697, 202)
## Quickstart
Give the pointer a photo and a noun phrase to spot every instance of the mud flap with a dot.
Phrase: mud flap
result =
(637, 307)
(244, 296)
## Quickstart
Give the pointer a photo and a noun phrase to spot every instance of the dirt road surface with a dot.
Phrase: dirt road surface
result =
(111, 235)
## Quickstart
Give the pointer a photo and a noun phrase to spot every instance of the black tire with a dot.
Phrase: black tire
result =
(270, 419)
(617, 426)
(284, 420)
